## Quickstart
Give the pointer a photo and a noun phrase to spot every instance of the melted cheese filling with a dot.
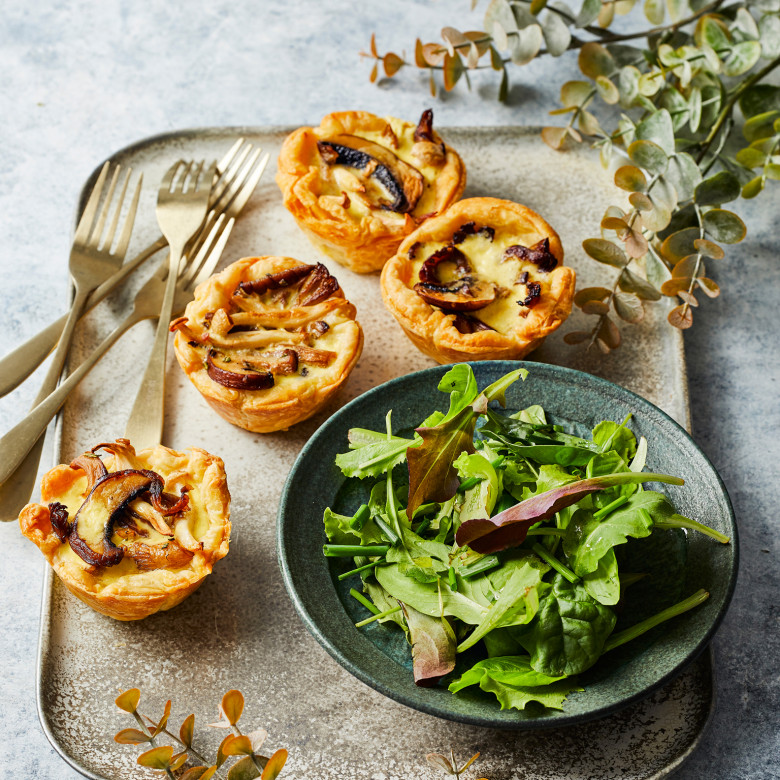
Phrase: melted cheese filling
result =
(487, 262)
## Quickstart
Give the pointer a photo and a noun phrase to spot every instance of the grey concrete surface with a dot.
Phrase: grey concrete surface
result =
(84, 78)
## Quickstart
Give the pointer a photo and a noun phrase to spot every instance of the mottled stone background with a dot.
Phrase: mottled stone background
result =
(84, 78)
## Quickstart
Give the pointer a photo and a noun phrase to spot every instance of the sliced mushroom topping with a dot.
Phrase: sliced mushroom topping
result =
(123, 452)
(280, 361)
(315, 357)
(142, 510)
(254, 339)
(429, 272)
(402, 182)
(412, 253)
(92, 466)
(318, 286)
(273, 281)
(58, 515)
(236, 377)
(539, 254)
(467, 294)
(424, 129)
(221, 323)
(320, 327)
(93, 525)
(170, 555)
(465, 324)
(470, 229)
(284, 318)
(534, 290)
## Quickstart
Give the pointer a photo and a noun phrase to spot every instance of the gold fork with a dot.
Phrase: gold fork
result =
(242, 168)
(182, 204)
(242, 158)
(92, 261)
(148, 301)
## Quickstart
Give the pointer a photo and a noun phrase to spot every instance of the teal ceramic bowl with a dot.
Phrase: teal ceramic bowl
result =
(677, 564)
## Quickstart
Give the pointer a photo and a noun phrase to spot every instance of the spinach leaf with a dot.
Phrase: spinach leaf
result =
(604, 583)
(570, 630)
(514, 683)
(433, 646)
(384, 602)
(533, 414)
(510, 526)
(433, 598)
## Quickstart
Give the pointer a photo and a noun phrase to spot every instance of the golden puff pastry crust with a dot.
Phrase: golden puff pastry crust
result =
(483, 281)
(161, 548)
(358, 184)
(268, 341)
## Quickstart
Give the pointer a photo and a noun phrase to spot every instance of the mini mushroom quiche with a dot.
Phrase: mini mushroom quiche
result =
(359, 184)
(131, 533)
(483, 281)
(268, 341)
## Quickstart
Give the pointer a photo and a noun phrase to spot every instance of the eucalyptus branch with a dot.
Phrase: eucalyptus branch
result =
(728, 108)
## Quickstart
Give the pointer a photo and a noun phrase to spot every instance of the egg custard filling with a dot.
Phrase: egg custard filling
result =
(358, 183)
(268, 340)
(485, 280)
(132, 533)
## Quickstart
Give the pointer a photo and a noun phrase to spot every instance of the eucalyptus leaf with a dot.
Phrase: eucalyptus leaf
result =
(648, 155)
(594, 61)
(683, 174)
(719, 188)
(587, 13)
(556, 34)
(769, 36)
(604, 251)
(633, 283)
(658, 128)
(742, 58)
(724, 226)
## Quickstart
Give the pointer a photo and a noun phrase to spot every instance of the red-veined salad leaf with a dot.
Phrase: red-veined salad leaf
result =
(509, 528)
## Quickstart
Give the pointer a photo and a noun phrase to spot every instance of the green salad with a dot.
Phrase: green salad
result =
(497, 541)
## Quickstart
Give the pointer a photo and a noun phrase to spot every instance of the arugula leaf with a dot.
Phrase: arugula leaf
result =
(608, 435)
(514, 683)
(588, 540)
(510, 526)
(372, 455)
(433, 646)
(339, 531)
(432, 475)
(570, 630)
(461, 384)
(516, 604)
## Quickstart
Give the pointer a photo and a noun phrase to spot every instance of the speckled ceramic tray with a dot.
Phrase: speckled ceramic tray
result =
(240, 629)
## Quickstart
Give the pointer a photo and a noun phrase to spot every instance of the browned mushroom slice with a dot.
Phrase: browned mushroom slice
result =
(60, 524)
(236, 377)
(315, 357)
(278, 361)
(471, 229)
(534, 291)
(92, 466)
(424, 129)
(170, 555)
(92, 529)
(466, 294)
(466, 324)
(429, 272)
(318, 286)
(403, 183)
(539, 254)
(123, 452)
(273, 281)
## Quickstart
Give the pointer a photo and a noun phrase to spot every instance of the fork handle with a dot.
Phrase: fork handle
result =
(19, 364)
(145, 425)
(21, 439)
